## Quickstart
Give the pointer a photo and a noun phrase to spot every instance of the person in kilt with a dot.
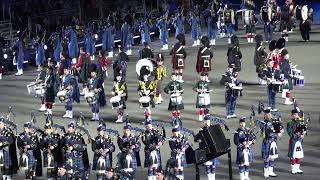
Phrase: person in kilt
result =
(82, 67)
(175, 88)
(50, 90)
(202, 87)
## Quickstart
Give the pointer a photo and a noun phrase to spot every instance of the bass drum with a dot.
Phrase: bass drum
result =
(144, 62)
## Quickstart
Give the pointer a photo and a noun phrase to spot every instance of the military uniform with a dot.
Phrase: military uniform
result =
(204, 63)
(83, 64)
(178, 56)
(49, 95)
(171, 88)
(160, 73)
(119, 88)
(178, 145)
(146, 89)
(274, 75)
(95, 85)
(70, 84)
(230, 98)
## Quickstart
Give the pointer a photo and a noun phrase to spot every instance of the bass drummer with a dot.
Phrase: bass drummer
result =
(203, 97)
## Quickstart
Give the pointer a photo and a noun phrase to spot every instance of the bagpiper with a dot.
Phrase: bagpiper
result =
(103, 147)
(75, 154)
(272, 130)
(296, 130)
(8, 154)
(120, 95)
(107, 38)
(144, 31)
(203, 97)
(204, 58)
(162, 26)
(243, 139)
(120, 64)
(52, 154)
(145, 90)
(195, 26)
(175, 89)
(179, 55)
(160, 73)
(260, 57)
(27, 143)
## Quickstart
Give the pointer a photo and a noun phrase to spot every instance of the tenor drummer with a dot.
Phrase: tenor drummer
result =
(102, 146)
(203, 97)
(160, 73)
(175, 89)
(146, 88)
(8, 163)
(228, 21)
(243, 139)
(95, 86)
(27, 144)
(52, 154)
(250, 20)
(204, 57)
(179, 55)
(273, 78)
(272, 130)
(70, 86)
(120, 90)
(232, 91)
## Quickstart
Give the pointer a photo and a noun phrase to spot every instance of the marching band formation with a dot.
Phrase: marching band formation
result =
(65, 154)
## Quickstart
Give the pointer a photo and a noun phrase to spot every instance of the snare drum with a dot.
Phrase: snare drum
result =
(62, 95)
(116, 102)
(299, 81)
(39, 90)
(144, 101)
(204, 99)
(90, 97)
(31, 88)
(236, 91)
(176, 99)
(277, 87)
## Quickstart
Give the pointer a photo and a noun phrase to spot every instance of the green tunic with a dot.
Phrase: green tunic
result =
(203, 85)
(169, 89)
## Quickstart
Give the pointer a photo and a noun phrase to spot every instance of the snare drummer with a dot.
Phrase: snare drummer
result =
(120, 89)
(250, 22)
(95, 85)
(49, 94)
(202, 87)
(243, 140)
(285, 68)
(179, 55)
(174, 88)
(160, 74)
(272, 75)
(204, 57)
(70, 84)
(146, 89)
(40, 79)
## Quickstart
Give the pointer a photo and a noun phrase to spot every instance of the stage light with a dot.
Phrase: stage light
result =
(45, 47)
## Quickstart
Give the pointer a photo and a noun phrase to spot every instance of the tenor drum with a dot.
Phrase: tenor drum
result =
(236, 91)
(144, 101)
(90, 97)
(116, 102)
(176, 99)
(277, 87)
(62, 95)
(31, 88)
(299, 81)
(39, 90)
(248, 17)
(204, 99)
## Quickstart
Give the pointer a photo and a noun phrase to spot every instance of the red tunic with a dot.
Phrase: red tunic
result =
(201, 65)
(178, 49)
(276, 59)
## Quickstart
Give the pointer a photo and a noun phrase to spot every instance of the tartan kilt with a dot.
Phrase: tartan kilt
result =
(265, 148)
(158, 87)
(78, 163)
(172, 107)
(6, 157)
(175, 64)
(45, 160)
(291, 147)
(200, 64)
(240, 157)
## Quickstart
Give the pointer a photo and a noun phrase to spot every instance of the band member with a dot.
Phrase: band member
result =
(75, 152)
(39, 81)
(104, 63)
(146, 52)
(296, 133)
(129, 146)
(243, 139)
(73, 46)
(110, 175)
(19, 55)
(162, 26)
(102, 147)
(228, 22)
(144, 31)
(120, 89)
(286, 20)
(121, 63)
(234, 54)
(285, 68)
(205, 55)
(273, 53)
(49, 95)
(305, 23)
(195, 27)
(272, 75)
(231, 93)
(179, 24)
(82, 66)
(260, 56)
(153, 140)
(27, 143)
(126, 38)
(95, 85)
(107, 39)
(250, 20)
(160, 73)
(178, 145)
(70, 85)
(212, 19)
(146, 88)
(57, 50)
(64, 62)
(90, 42)
(8, 161)
(175, 89)
(40, 55)
(272, 130)
(52, 155)
(267, 15)
(179, 56)
(202, 89)
(280, 45)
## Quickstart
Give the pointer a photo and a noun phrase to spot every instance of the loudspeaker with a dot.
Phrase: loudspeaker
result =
(213, 140)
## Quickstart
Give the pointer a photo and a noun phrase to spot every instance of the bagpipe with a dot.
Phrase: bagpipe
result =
(303, 122)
